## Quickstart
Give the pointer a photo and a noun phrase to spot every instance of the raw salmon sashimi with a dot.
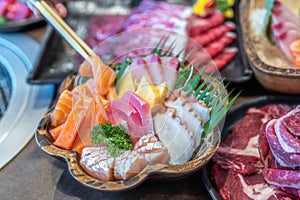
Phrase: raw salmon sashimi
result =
(100, 164)
(103, 76)
(295, 49)
(84, 110)
(70, 128)
(62, 109)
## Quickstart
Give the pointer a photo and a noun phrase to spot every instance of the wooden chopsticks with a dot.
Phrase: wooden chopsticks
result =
(63, 28)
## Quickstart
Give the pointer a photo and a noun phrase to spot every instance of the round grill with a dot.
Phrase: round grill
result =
(5, 89)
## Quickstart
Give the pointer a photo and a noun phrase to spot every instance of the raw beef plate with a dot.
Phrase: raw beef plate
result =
(259, 159)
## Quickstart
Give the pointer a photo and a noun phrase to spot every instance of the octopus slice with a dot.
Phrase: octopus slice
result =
(202, 110)
(189, 116)
(175, 136)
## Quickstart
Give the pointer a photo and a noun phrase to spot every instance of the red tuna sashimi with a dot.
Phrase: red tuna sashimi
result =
(144, 111)
(132, 112)
(214, 33)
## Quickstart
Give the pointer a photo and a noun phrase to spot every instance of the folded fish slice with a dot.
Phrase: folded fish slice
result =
(62, 108)
(98, 162)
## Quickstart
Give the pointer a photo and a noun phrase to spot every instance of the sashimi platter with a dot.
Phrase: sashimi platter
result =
(153, 114)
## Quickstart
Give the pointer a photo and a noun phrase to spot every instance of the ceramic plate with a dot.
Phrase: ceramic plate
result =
(268, 63)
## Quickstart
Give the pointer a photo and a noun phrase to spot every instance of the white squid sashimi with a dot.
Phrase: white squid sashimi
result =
(175, 136)
(188, 115)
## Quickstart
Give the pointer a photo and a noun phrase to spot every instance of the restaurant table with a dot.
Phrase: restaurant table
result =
(33, 174)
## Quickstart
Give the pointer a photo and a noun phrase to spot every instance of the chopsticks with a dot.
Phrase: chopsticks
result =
(63, 28)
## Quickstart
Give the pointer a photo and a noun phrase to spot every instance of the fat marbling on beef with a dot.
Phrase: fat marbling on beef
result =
(245, 167)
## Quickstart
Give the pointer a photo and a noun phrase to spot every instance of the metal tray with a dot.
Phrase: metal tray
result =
(57, 59)
(234, 116)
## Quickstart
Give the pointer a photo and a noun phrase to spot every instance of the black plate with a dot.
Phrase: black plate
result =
(234, 116)
(56, 62)
(13, 26)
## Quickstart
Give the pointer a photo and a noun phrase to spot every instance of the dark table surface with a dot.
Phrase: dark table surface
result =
(35, 175)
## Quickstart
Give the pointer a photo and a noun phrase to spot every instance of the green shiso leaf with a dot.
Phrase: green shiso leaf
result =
(269, 4)
(122, 69)
(205, 88)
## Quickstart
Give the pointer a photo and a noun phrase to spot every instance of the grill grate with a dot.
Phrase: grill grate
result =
(5, 89)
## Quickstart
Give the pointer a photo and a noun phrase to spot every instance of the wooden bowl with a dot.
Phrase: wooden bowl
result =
(152, 171)
(270, 67)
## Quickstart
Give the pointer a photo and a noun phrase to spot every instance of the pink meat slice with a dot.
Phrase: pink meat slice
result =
(18, 11)
(285, 127)
(283, 178)
(284, 158)
(221, 60)
(285, 27)
(292, 121)
(213, 34)
(240, 176)
(215, 48)
(282, 12)
(198, 25)
(104, 26)
(3, 7)
(289, 142)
